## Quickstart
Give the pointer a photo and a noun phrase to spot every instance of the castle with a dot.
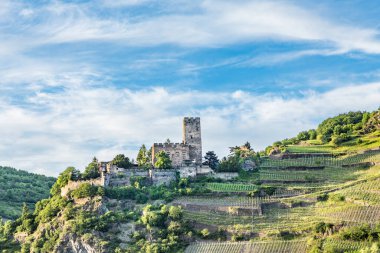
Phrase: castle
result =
(186, 160)
(189, 151)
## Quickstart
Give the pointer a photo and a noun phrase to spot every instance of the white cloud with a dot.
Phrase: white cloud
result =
(217, 23)
(55, 130)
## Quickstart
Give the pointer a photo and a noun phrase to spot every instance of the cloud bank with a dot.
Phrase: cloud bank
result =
(51, 131)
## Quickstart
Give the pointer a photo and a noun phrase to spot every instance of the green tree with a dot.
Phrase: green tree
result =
(175, 212)
(211, 159)
(143, 158)
(312, 134)
(62, 180)
(92, 170)
(163, 161)
(121, 161)
(230, 164)
(303, 136)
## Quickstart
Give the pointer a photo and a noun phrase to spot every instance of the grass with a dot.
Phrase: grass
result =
(368, 141)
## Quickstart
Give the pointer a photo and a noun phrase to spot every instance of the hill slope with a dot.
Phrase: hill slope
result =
(19, 186)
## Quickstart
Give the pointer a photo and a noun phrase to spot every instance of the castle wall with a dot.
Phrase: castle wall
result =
(123, 178)
(160, 177)
(176, 151)
(72, 185)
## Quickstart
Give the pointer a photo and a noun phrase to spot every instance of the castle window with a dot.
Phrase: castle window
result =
(191, 137)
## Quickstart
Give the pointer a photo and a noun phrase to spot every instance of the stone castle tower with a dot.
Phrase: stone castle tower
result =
(192, 137)
(189, 150)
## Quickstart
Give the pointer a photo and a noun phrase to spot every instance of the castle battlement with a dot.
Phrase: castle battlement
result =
(191, 118)
(171, 144)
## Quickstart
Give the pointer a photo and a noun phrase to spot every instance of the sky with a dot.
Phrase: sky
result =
(80, 79)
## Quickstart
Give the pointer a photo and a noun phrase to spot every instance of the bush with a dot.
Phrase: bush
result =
(358, 233)
(323, 197)
(86, 190)
(205, 233)
(322, 227)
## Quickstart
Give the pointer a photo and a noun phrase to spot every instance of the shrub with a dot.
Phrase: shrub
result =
(322, 227)
(205, 233)
(323, 197)
(358, 233)
(87, 190)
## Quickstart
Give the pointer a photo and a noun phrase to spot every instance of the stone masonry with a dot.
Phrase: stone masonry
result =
(189, 150)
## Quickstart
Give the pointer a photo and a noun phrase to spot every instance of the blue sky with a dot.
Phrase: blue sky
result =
(85, 78)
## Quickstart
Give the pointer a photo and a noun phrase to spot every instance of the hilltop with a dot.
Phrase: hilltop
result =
(316, 192)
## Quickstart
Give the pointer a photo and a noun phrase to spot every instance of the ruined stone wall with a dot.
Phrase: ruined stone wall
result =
(192, 137)
(123, 178)
(160, 177)
(176, 151)
(188, 171)
(72, 185)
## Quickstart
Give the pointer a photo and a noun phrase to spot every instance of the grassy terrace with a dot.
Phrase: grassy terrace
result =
(322, 161)
(369, 141)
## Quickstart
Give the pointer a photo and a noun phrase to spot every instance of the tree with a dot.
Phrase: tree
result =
(230, 164)
(62, 180)
(312, 134)
(163, 161)
(121, 161)
(92, 170)
(303, 136)
(143, 158)
(247, 146)
(211, 159)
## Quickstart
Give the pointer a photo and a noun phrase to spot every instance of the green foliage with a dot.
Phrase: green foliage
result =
(339, 139)
(230, 164)
(341, 124)
(323, 197)
(87, 190)
(163, 161)
(18, 187)
(62, 180)
(121, 161)
(312, 134)
(322, 227)
(359, 233)
(47, 209)
(143, 157)
(205, 233)
(87, 222)
(303, 136)
(211, 159)
(92, 170)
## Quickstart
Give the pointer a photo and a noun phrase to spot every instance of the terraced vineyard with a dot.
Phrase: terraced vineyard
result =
(332, 161)
(344, 245)
(229, 187)
(246, 247)
(337, 189)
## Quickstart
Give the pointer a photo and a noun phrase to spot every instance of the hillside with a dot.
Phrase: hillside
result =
(18, 187)
(317, 195)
